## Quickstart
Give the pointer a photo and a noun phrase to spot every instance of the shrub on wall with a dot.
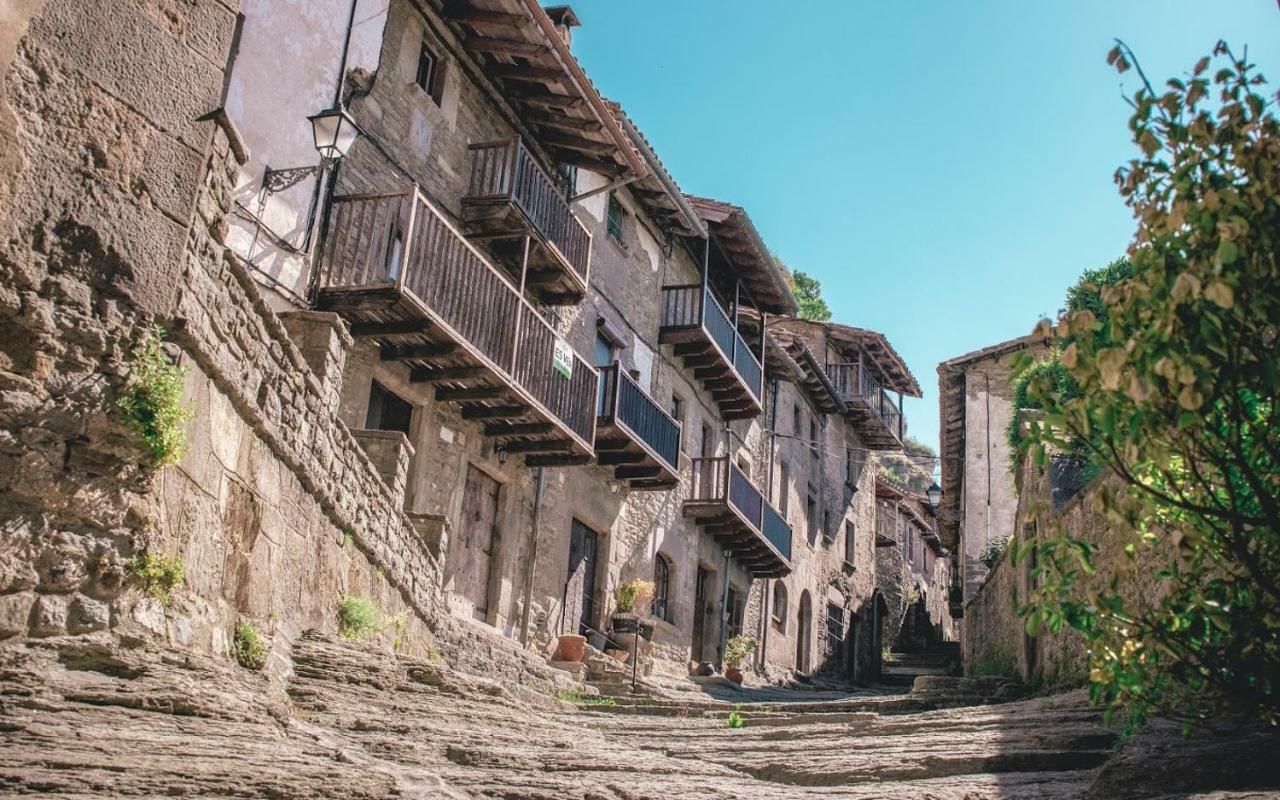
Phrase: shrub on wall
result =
(152, 400)
(357, 617)
(156, 574)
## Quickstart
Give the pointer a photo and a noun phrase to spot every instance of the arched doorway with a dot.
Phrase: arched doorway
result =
(879, 611)
(804, 634)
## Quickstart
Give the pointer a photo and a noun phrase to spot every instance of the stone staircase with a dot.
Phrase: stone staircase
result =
(902, 667)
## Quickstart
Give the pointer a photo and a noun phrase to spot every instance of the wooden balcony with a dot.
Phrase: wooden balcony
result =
(870, 408)
(736, 514)
(705, 337)
(634, 435)
(510, 197)
(399, 273)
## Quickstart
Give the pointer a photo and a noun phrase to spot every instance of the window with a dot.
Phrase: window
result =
(811, 515)
(853, 464)
(780, 605)
(430, 76)
(614, 222)
(784, 488)
(661, 606)
(813, 438)
(707, 444)
(850, 543)
(835, 626)
(828, 533)
(677, 407)
(387, 412)
(795, 420)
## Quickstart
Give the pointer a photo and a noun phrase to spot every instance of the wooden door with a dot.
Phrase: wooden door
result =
(471, 552)
(580, 590)
(700, 609)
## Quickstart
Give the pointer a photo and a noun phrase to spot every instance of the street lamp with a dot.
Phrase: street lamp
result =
(934, 493)
(333, 131)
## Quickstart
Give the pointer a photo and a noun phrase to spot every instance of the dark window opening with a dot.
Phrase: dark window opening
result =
(835, 625)
(616, 216)
(430, 77)
(387, 412)
(780, 605)
(707, 447)
(661, 606)
(850, 544)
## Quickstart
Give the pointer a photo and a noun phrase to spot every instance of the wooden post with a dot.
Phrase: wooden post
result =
(515, 341)
(513, 167)
(407, 245)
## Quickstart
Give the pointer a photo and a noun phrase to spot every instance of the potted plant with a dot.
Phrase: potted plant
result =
(572, 647)
(736, 651)
(632, 604)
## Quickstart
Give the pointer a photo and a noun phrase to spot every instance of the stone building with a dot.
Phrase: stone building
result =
(978, 496)
(913, 570)
(482, 368)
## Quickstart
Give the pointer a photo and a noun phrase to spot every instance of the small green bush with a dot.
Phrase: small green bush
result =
(156, 574)
(734, 721)
(357, 617)
(248, 648)
(152, 401)
(737, 649)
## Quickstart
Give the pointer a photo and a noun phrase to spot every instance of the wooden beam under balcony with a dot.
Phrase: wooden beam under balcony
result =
(470, 393)
(421, 375)
(542, 97)
(399, 327)
(409, 352)
(461, 11)
(539, 446)
(526, 72)
(500, 430)
(617, 457)
(551, 119)
(580, 143)
(494, 412)
(566, 460)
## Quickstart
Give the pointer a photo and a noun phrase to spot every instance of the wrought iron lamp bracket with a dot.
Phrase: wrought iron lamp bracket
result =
(277, 180)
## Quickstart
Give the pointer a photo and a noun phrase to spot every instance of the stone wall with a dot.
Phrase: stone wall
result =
(117, 226)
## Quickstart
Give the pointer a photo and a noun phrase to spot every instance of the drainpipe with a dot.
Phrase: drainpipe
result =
(767, 585)
(724, 612)
(533, 556)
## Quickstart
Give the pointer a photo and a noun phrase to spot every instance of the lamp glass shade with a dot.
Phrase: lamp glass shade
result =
(334, 131)
(934, 493)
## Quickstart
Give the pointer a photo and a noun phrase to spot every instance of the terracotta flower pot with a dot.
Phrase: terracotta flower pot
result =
(734, 674)
(572, 647)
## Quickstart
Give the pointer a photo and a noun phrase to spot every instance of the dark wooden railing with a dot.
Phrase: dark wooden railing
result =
(716, 480)
(623, 402)
(403, 240)
(853, 382)
(691, 306)
(506, 170)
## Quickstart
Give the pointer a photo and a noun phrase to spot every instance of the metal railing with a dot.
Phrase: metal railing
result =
(854, 383)
(401, 239)
(624, 403)
(692, 306)
(716, 480)
(506, 170)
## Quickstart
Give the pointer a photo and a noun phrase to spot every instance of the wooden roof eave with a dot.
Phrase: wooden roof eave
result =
(522, 28)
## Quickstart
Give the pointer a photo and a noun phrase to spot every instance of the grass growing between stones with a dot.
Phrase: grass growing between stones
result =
(357, 617)
(576, 697)
(156, 574)
(248, 648)
(152, 401)
(734, 721)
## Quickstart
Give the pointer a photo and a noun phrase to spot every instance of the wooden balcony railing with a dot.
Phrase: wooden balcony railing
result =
(624, 404)
(506, 170)
(718, 482)
(692, 307)
(858, 387)
(402, 241)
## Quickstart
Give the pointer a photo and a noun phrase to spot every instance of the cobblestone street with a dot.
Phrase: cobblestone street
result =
(86, 718)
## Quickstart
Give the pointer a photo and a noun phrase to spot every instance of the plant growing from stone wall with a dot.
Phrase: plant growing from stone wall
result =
(1179, 401)
(156, 574)
(151, 403)
(247, 647)
(357, 617)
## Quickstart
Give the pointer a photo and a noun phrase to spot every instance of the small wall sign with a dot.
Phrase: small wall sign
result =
(562, 358)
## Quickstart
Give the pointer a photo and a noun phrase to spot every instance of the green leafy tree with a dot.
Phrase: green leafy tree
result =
(1178, 369)
(808, 292)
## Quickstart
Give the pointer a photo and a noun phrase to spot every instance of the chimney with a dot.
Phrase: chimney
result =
(565, 21)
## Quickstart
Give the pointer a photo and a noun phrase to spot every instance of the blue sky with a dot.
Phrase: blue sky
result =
(944, 168)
